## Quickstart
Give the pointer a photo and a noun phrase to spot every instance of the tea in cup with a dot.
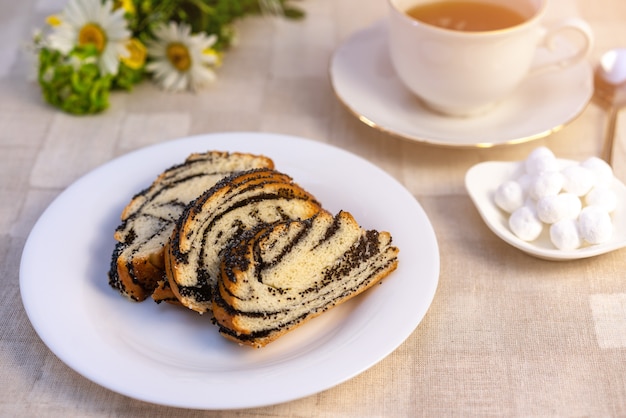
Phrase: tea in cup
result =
(461, 57)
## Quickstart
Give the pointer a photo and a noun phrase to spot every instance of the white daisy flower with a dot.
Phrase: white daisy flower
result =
(180, 60)
(92, 22)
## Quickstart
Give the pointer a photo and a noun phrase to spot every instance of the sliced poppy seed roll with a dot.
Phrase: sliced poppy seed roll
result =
(278, 277)
(148, 220)
(234, 205)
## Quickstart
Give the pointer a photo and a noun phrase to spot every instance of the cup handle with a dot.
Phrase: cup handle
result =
(549, 41)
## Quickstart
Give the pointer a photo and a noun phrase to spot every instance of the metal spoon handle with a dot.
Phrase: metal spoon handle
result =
(609, 135)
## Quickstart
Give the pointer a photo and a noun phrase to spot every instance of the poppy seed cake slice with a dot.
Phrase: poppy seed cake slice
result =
(234, 205)
(277, 277)
(148, 220)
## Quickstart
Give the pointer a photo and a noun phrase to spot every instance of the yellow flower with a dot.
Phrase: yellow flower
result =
(127, 5)
(54, 20)
(137, 54)
(216, 56)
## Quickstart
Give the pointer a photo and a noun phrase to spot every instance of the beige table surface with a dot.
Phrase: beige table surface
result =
(506, 335)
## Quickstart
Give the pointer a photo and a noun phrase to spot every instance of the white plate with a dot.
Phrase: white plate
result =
(168, 355)
(365, 82)
(481, 182)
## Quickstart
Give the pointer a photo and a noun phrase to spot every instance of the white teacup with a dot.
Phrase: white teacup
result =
(463, 73)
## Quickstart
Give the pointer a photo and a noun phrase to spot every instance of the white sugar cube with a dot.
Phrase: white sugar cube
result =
(525, 181)
(603, 197)
(525, 224)
(539, 160)
(577, 179)
(602, 171)
(564, 235)
(553, 208)
(509, 196)
(545, 183)
(594, 224)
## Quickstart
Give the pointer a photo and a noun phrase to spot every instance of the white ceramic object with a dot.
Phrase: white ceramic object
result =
(481, 182)
(466, 73)
(365, 82)
(171, 356)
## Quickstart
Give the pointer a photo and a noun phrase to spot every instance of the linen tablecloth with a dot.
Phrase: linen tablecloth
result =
(507, 334)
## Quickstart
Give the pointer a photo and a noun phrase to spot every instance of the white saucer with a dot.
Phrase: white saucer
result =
(365, 81)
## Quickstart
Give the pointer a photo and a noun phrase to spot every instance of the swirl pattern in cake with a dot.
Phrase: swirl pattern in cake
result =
(277, 277)
(148, 220)
(218, 217)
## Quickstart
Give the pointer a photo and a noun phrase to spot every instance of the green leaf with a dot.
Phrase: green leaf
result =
(127, 77)
(72, 83)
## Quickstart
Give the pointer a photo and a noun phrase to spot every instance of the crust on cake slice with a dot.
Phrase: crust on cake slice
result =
(235, 204)
(277, 277)
(147, 222)
(163, 293)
